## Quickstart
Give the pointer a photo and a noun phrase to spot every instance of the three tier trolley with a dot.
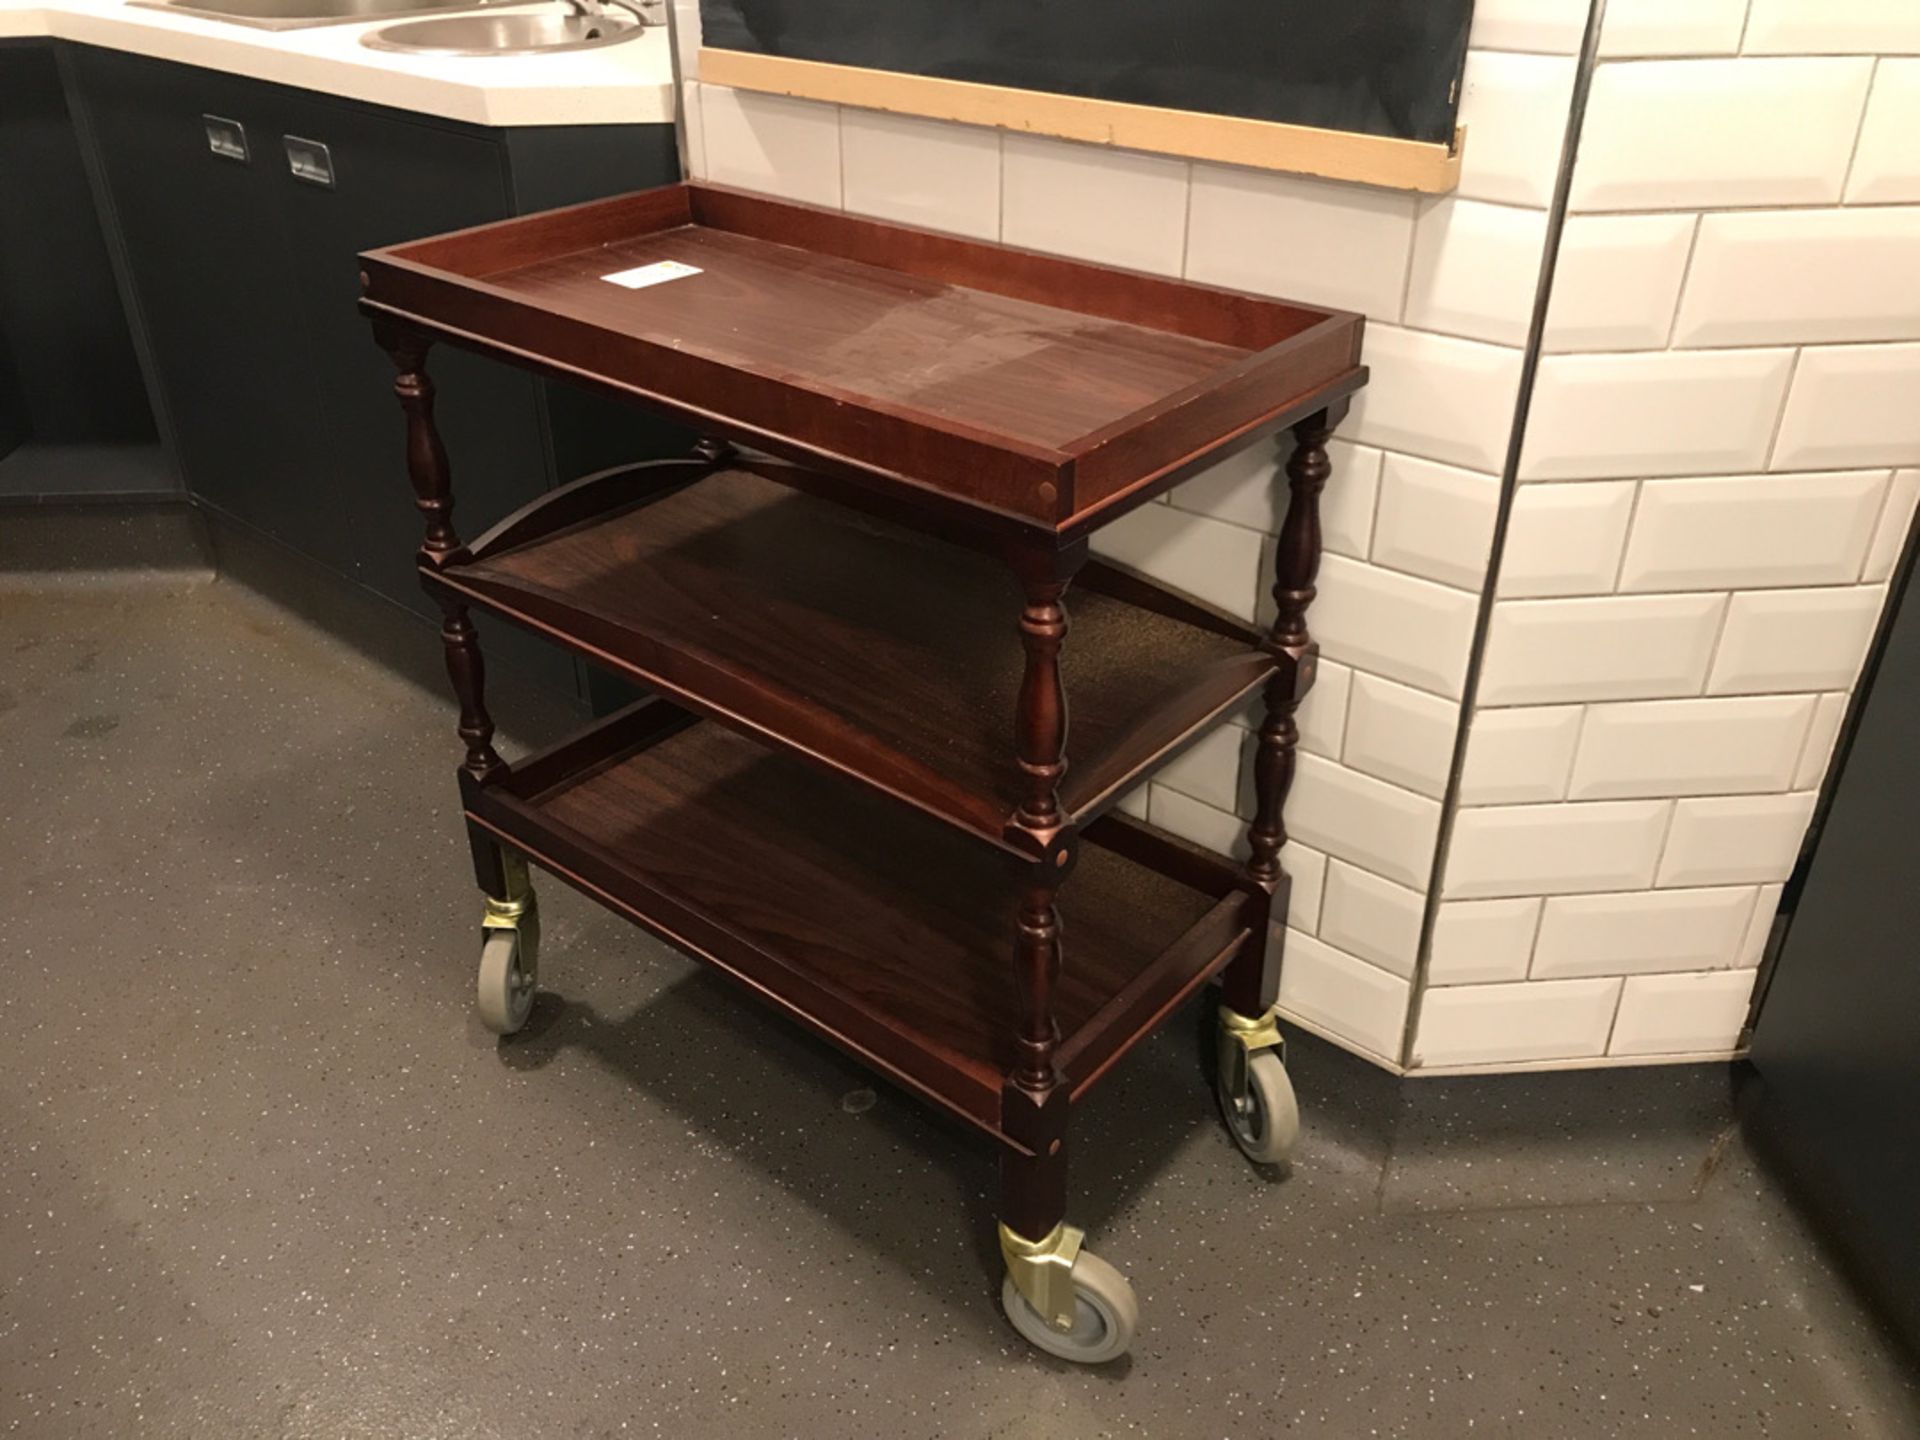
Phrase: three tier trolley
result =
(850, 790)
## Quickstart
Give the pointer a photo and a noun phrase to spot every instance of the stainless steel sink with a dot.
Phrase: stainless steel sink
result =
(514, 33)
(296, 14)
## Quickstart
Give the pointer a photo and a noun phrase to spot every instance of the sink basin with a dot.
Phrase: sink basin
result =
(518, 33)
(296, 14)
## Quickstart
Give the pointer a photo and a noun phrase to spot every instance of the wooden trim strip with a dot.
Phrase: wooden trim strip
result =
(1229, 139)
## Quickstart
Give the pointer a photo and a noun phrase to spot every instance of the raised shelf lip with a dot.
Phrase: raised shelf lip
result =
(1131, 459)
(509, 806)
(708, 684)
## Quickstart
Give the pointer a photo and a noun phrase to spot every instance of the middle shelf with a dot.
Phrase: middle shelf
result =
(873, 649)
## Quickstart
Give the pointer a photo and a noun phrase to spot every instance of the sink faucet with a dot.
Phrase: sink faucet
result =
(649, 12)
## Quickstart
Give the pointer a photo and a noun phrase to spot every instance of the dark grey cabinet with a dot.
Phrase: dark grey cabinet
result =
(244, 283)
(69, 376)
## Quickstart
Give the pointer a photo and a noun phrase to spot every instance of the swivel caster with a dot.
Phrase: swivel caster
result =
(509, 959)
(1256, 1097)
(1068, 1301)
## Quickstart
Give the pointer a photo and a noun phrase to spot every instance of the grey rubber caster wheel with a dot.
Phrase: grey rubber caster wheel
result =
(1105, 1314)
(509, 975)
(1268, 1122)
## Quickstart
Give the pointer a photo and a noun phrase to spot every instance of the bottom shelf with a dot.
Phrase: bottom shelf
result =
(885, 931)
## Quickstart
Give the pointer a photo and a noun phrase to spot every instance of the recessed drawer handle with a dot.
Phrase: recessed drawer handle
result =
(226, 138)
(309, 160)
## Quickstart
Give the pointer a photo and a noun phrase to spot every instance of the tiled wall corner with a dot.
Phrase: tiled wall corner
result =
(1611, 879)
(1719, 480)
(1447, 286)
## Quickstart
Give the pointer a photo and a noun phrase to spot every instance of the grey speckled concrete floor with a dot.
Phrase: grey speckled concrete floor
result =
(265, 1175)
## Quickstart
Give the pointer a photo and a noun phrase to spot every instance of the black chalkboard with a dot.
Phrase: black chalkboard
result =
(1375, 67)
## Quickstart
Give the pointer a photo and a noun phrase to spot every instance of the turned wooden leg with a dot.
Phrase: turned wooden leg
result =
(468, 671)
(432, 479)
(1252, 980)
(1034, 1102)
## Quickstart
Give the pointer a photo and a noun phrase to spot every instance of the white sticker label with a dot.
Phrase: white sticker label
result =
(657, 273)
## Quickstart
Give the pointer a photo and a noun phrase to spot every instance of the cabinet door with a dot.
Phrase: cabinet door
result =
(205, 243)
(393, 178)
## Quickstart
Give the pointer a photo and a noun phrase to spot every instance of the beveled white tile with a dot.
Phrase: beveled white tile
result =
(1520, 756)
(1721, 746)
(1373, 918)
(1208, 559)
(1803, 277)
(1347, 504)
(1539, 1020)
(1642, 933)
(1672, 27)
(1626, 647)
(1514, 108)
(1896, 520)
(772, 143)
(1071, 199)
(1247, 487)
(1886, 163)
(1565, 539)
(1435, 520)
(1735, 840)
(1753, 949)
(1307, 870)
(1210, 768)
(1692, 134)
(1851, 405)
(1552, 27)
(1317, 241)
(1617, 283)
(1401, 735)
(1761, 531)
(1205, 825)
(1475, 269)
(1333, 991)
(1354, 817)
(1658, 413)
(931, 173)
(1322, 716)
(1555, 849)
(1682, 1014)
(1437, 397)
(1395, 625)
(1828, 714)
(1833, 27)
(1795, 640)
(1479, 942)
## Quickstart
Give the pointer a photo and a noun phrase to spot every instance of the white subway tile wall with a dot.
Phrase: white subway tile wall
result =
(1687, 134)
(1477, 942)
(1722, 469)
(1886, 163)
(1672, 27)
(1721, 480)
(1342, 246)
(1617, 281)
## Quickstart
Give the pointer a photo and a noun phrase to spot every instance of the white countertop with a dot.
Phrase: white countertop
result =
(628, 83)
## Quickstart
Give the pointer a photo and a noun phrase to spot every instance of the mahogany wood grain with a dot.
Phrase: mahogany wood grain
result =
(871, 649)
(1018, 383)
(1253, 981)
(819, 896)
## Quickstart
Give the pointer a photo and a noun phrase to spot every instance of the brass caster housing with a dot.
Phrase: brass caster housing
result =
(1256, 1096)
(509, 951)
(1042, 1271)
(1066, 1300)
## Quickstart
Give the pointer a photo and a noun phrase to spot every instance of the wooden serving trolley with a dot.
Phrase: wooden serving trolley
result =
(851, 792)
